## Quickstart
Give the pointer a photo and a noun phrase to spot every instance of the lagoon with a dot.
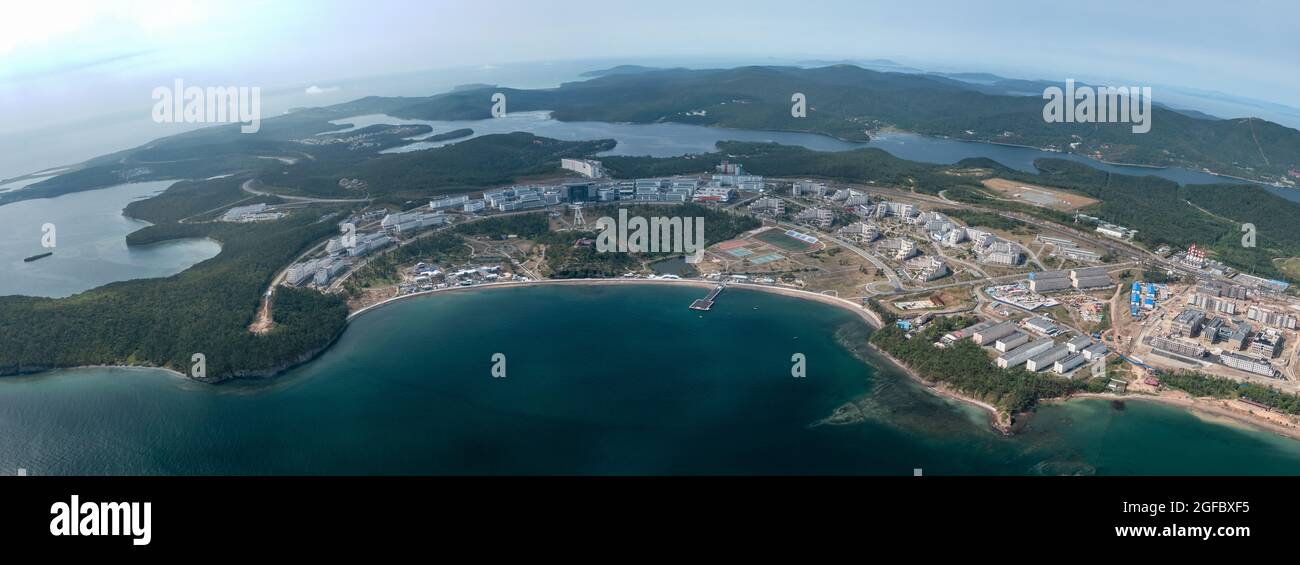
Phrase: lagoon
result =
(673, 139)
(90, 243)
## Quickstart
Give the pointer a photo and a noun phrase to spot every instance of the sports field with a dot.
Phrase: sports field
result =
(781, 240)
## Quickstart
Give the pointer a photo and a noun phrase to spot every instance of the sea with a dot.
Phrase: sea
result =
(597, 380)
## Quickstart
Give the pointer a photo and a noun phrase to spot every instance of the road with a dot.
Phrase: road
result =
(248, 187)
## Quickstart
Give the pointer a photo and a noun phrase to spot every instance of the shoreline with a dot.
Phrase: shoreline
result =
(1212, 409)
(1000, 421)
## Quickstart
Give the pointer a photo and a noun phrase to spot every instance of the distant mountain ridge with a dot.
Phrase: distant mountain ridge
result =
(850, 102)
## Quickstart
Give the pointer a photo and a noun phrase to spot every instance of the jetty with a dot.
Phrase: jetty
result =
(706, 303)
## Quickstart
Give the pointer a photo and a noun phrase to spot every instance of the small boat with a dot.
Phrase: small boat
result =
(40, 256)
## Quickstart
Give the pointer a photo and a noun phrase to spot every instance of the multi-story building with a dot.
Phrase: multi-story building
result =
(1178, 346)
(1095, 352)
(714, 194)
(768, 205)
(808, 188)
(1012, 341)
(886, 209)
(585, 167)
(902, 248)
(820, 217)
(449, 202)
(1271, 317)
(301, 272)
(1117, 232)
(580, 191)
(1247, 363)
(1078, 343)
(1045, 281)
(1210, 329)
(1092, 277)
(860, 231)
(1067, 364)
(1047, 358)
(404, 222)
(987, 335)
(1237, 338)
(1042, 326)
(1024, 353)
(1212, 303)
(327, 269)
(1268, 286)
(925, 269)
(1189, 322)
(999, 252)
(1266, 345)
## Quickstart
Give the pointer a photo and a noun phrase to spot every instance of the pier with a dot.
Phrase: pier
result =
(706, 303)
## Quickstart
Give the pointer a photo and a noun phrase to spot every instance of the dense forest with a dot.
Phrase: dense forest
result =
(848, 102)
(195, 200)
(976, 218)
(473, 164)
(1165, 213)
(866, 165)
(527, 226)
(967, 368)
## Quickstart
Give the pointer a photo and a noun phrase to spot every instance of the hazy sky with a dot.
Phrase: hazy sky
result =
(66, 60)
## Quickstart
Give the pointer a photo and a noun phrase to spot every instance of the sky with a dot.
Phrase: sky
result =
(67, 61)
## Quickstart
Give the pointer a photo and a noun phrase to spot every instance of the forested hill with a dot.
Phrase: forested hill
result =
(847, 101)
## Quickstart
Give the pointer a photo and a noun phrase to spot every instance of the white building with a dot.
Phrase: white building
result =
(585, 167)
(820, 217)
(448, 202)
(714, 194)
(808, 188)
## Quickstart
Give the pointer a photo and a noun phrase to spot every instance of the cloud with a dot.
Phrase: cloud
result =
(313, 89)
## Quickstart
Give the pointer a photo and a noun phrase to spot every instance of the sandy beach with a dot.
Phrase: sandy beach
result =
(1213, 409)
(1229, 411)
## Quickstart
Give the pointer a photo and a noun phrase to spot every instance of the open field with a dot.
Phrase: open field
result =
(1040, 196)
(777, 237)
(1290, 266)
(820, 267)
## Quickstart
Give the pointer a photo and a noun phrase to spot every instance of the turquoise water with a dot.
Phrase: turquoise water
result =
(90, 243)
(599, 380)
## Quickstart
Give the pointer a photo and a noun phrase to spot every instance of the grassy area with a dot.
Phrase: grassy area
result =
(777, 237)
